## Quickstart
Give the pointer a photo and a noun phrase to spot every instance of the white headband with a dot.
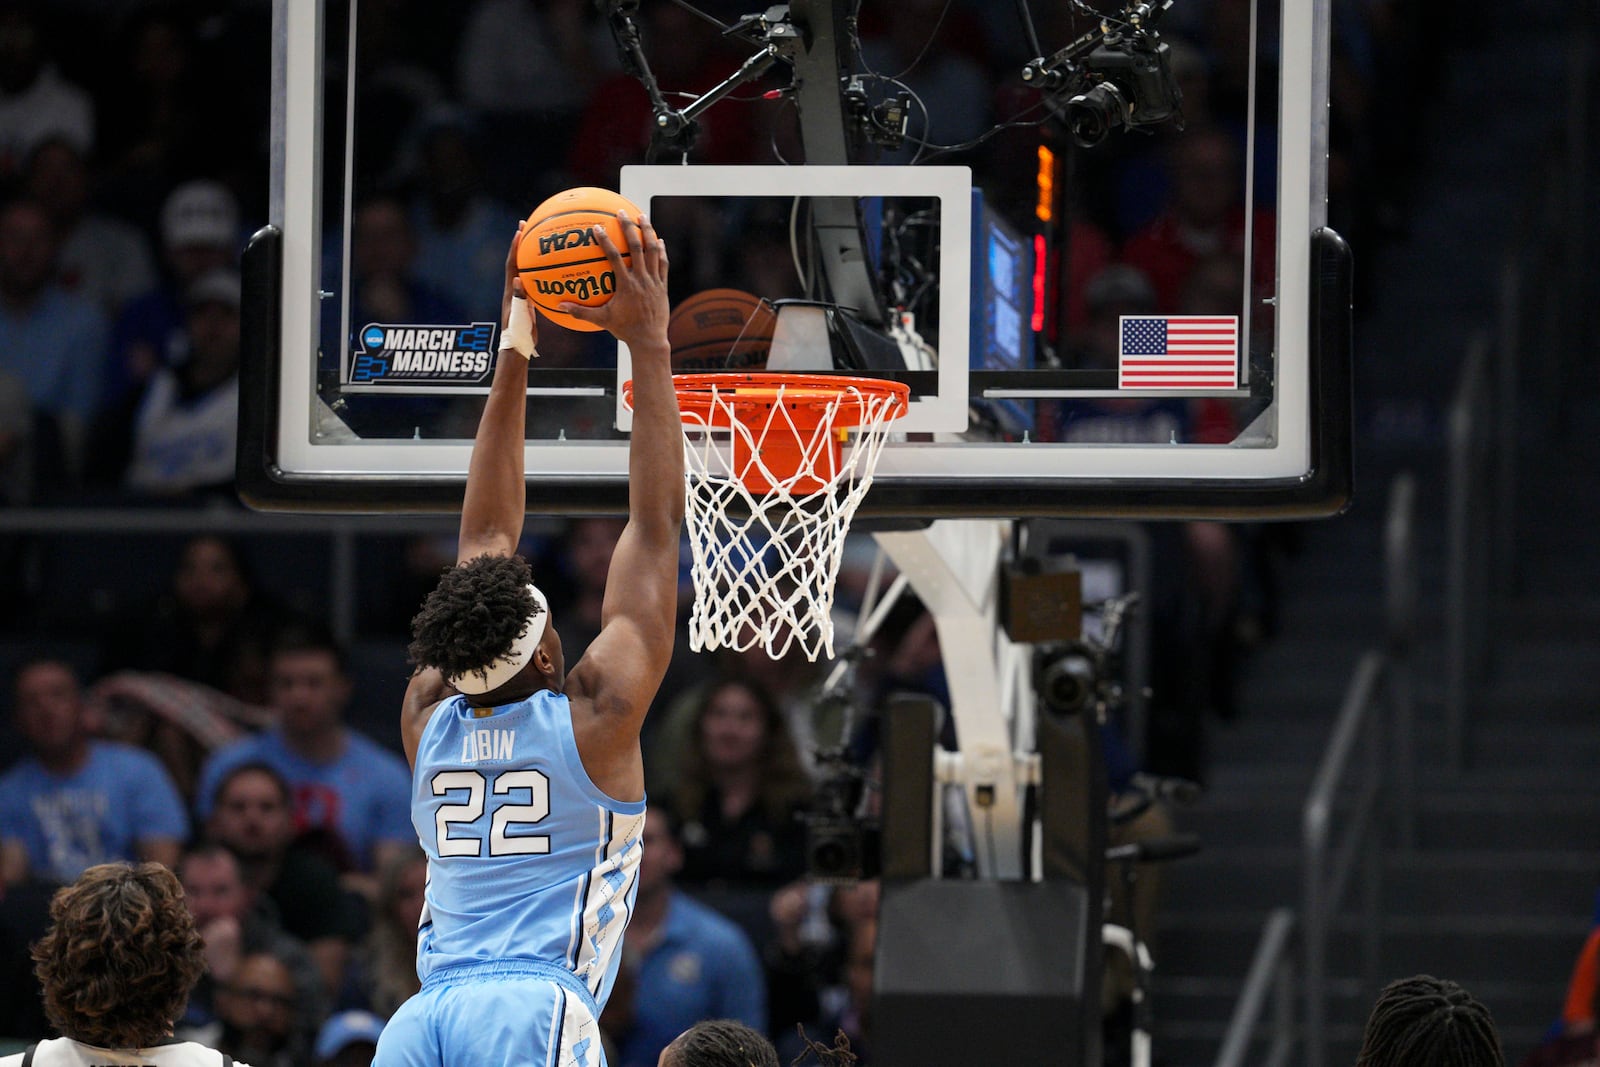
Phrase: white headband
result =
(484, 679)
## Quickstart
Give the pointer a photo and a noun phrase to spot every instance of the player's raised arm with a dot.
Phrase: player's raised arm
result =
(492, 511)
(625, 663)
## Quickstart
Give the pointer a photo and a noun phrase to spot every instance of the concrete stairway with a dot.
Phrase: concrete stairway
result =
(1501, 887)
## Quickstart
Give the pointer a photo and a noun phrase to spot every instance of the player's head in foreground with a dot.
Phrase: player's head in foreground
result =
(719, 1043)
(1423, 1021)
(486, 627)
(120, 956)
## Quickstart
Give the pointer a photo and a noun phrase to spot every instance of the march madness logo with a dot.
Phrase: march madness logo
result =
(423, 355)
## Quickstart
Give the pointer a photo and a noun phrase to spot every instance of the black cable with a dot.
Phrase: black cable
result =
(691, 9)
(852, 29)
(1027, 28)
(943, 11)
(772, 128)
(927, 119)
(1015, 122)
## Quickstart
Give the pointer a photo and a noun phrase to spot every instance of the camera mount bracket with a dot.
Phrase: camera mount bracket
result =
(673, 130)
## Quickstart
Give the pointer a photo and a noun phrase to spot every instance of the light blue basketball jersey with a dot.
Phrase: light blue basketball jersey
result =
(527, 858)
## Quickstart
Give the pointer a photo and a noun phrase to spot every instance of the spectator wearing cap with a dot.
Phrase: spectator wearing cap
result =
(50, 339)
(187, 417)
(102, 258)
(36, 102)
(199, 234)
(348, 1039)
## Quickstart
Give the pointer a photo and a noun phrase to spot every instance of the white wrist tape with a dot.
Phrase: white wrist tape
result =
(518, 334)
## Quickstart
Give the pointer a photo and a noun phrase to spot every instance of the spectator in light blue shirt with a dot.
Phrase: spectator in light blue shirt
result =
(687, 963)
(74, 801)
(347, 789)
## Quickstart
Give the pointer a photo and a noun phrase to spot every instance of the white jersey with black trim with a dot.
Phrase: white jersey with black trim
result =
(64, 1052)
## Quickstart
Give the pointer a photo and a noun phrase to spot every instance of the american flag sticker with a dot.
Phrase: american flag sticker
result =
(1178, 352)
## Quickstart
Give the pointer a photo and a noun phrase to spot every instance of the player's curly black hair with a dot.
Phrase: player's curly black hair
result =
(722, 1043)
(472, 617)
(120, 957)
(1423, 1021)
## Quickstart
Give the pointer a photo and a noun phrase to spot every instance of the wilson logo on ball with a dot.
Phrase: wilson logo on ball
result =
(581, 288)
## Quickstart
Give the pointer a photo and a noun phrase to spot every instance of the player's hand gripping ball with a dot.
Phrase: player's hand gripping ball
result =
(559, 258)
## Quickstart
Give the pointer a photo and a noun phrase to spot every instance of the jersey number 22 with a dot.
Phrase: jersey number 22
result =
(503, 841)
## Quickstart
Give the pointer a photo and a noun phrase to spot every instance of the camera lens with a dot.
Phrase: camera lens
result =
(1094, 114)
(1067, 682)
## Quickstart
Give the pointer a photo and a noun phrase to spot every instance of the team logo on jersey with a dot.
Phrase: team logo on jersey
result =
(423, 355)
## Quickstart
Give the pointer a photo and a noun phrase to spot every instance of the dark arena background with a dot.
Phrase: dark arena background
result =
(1307, 734)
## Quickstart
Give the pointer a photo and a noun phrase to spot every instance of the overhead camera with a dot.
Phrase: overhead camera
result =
(1117, 75)
(841, 846)
(1136, 89)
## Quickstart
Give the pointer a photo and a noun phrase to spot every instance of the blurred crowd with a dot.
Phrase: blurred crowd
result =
(216, 726)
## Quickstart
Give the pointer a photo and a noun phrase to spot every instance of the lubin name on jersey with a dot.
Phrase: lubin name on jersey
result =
(482, 745)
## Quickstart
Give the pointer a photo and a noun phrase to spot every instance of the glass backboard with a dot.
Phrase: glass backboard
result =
(1154, 324)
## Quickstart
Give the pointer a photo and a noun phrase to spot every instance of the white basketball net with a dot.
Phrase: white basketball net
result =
(764, 564)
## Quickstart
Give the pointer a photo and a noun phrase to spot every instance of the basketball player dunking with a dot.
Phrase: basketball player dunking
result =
(527, 782)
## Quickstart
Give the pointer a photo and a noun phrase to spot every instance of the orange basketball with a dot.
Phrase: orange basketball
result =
(559, 258)
(721, 329)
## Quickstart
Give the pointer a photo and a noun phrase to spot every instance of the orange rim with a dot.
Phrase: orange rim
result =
(756, 393)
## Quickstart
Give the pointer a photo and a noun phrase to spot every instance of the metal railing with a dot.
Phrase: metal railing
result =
(1377, 709)
(1529, 360)
(1468, 545)
(1269, 983)
(1329, 861)
(1402, 596)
